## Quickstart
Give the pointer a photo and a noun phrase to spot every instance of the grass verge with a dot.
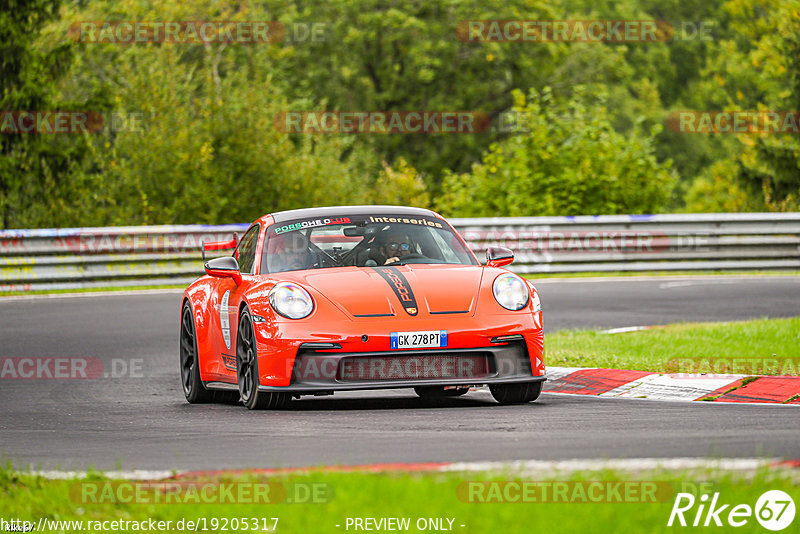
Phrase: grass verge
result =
(419, 498)
(758, 347)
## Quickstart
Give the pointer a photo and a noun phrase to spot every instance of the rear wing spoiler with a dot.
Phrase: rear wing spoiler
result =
(220, 245)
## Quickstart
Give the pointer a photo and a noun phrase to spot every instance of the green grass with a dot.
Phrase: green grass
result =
(415, 496)
(763, 346)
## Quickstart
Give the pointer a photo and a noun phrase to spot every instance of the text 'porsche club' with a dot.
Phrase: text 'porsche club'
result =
(319, 300)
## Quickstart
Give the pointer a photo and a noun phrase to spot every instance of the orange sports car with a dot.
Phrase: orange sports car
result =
(319, 300)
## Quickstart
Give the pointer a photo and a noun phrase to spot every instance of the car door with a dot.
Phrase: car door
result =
(225, 303)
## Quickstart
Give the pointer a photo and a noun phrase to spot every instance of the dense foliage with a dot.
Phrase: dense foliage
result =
(190, 131)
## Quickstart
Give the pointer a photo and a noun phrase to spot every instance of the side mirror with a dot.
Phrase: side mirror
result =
(498, 256)
(224, 267)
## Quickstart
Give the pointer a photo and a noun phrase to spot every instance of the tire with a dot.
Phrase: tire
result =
(247, 371)
(516, 393)
(438, 392)
(193, 387)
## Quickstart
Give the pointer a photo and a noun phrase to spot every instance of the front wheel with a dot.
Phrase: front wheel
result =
(247, 371)
(516, 393)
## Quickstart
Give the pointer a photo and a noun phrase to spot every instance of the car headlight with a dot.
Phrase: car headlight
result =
(291, 300)
(510, 291)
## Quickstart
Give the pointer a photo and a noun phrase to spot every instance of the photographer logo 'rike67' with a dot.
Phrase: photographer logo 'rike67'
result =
(774, 510)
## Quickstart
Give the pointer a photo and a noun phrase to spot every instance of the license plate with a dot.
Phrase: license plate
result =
(419, 340)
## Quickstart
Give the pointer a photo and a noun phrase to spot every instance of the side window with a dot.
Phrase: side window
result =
(247, 250)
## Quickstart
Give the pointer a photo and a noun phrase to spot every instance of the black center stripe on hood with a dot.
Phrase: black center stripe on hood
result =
(401, 287)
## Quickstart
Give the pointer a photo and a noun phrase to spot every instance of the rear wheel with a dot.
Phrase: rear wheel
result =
(438, 392)
(247, 371)
(516, 393)
(193, 387)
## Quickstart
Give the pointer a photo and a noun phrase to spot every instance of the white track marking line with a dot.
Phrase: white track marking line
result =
(515, 466)
(137, 474)
(670, 285)
(626, 329)
(626, 464)
(671, 387)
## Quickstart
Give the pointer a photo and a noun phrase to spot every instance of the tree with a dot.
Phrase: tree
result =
(198, 143)
(34, 167)
(400, 185)
(771, 163)
(754, 69)
(404, 55)
(566, 160)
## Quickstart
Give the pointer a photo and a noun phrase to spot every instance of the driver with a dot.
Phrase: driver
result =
(396, 245)
(293, 256)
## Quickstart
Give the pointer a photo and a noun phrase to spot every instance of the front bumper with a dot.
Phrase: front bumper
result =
(280, 343)
(326, 371)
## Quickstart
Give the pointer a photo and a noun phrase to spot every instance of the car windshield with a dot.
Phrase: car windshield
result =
(365, 241)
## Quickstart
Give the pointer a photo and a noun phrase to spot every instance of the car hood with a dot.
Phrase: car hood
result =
(381, 291)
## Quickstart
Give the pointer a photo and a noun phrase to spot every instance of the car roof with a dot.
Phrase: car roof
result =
(345, 211)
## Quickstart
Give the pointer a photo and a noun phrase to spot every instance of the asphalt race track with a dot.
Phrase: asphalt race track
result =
(141, 420)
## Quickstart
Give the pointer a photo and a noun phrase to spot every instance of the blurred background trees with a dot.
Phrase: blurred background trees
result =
(190, 135)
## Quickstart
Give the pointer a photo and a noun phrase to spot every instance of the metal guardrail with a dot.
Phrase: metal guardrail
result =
(72, 258)
(746, 241)
(154, 255)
